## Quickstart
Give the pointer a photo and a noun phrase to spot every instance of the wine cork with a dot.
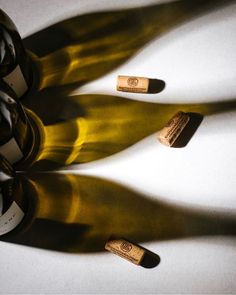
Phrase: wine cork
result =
(169, 134)
(125, 249)
(132, 84)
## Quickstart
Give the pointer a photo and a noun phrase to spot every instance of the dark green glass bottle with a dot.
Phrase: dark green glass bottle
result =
(16, 133)
(15, 66)
(13, 204)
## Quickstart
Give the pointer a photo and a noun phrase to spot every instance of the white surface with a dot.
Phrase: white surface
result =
(198, 62)
(190, 266)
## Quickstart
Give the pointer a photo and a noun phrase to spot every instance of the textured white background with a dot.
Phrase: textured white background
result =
(198, 62)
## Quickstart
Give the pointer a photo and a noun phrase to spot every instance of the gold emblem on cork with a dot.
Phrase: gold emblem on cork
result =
(132, 84)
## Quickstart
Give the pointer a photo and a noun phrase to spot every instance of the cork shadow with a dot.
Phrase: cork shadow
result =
(195, 119)
(77, 214)
(156, 86)
(150, 259)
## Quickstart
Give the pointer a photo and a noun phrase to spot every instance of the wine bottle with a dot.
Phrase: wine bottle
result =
(13, 203)
(16, 133)
(15, 68)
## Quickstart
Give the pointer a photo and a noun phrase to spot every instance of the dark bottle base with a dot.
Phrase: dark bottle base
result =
(26, 199)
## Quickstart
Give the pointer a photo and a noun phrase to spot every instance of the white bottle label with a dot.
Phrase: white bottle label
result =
(11, 218)
(11, 151)
(17, 81)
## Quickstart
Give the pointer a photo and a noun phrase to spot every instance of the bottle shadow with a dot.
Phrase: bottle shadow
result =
(68, 54)
(86, 47)
(78, 214)
(92, 127)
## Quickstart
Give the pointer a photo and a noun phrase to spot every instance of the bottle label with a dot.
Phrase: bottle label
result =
(11, 218)
(11, 151)
(17, 81)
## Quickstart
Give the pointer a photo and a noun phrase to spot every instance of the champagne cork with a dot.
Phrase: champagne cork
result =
(169, 134)
(125, 249)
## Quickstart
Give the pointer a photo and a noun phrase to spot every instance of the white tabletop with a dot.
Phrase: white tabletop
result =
(197, 61)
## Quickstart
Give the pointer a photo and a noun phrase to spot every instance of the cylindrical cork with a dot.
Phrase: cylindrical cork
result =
(139, 84)
(132, 84)
(125, 249)
(169, 134)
